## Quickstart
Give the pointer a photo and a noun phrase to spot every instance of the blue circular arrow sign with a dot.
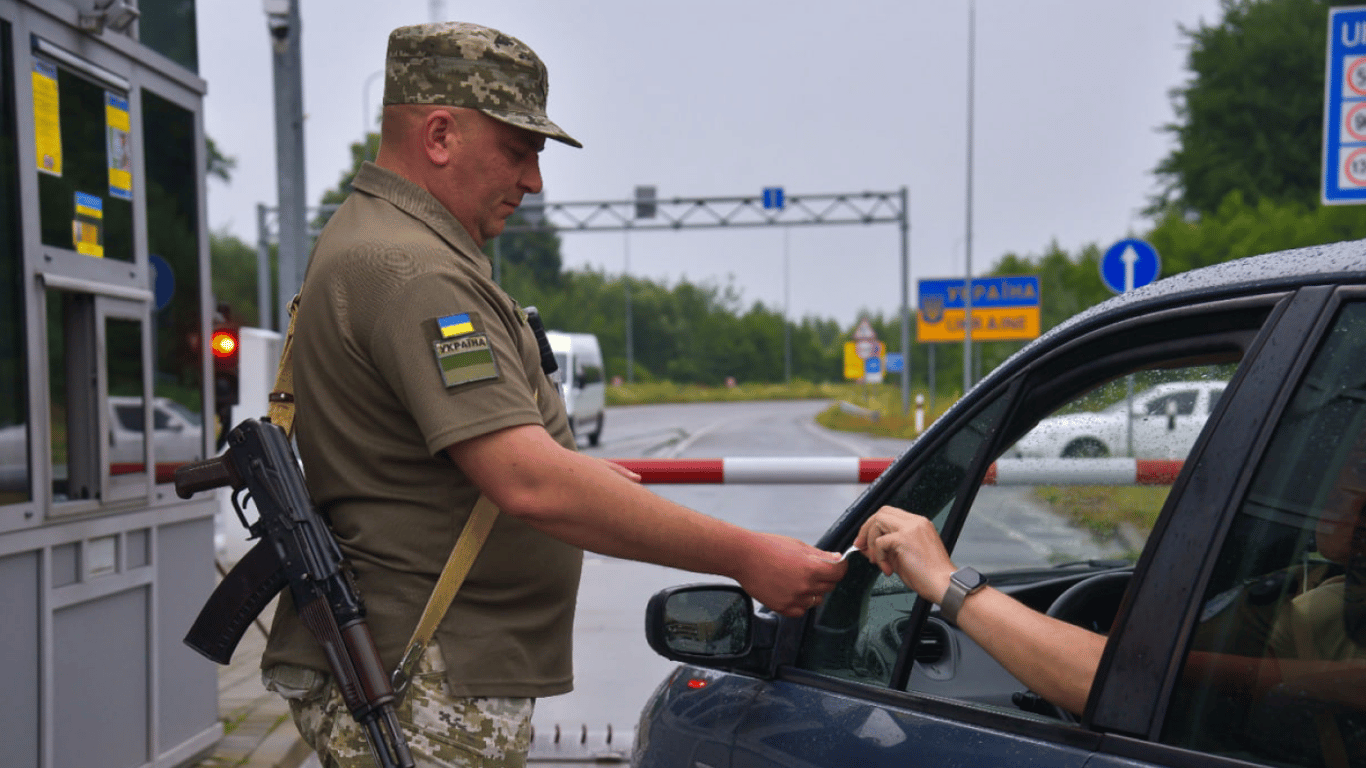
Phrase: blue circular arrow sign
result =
(1129, 264)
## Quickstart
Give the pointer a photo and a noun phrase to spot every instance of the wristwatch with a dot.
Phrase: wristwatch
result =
(963, 582)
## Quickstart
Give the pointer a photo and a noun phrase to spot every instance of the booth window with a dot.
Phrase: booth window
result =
(83, 160)
(173, 163)
(15, 484)
(168, 27)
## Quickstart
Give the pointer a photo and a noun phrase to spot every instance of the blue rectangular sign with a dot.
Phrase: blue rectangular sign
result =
(1344, 108)
(987, 292)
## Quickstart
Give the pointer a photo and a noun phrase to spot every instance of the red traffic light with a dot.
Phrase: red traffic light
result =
(224, 343)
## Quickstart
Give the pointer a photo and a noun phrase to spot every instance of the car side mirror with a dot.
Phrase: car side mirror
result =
(701, 623)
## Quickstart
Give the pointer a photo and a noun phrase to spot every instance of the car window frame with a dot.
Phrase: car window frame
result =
(1132, 698)
(1032, 389)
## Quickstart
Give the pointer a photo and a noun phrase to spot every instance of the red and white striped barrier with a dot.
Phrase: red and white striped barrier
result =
(851, 470)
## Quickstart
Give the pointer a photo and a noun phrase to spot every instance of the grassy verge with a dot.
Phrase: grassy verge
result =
(882, 414)
(654, 392)
(1105, 509)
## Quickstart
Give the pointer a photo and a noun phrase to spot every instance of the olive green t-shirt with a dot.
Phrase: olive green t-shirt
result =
(404, 346)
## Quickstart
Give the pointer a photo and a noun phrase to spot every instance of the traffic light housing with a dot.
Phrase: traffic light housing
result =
(225, 347)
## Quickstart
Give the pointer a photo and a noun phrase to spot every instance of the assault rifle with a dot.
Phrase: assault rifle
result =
(295, 548)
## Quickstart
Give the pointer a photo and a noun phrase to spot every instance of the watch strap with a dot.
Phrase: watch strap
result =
(958, 592)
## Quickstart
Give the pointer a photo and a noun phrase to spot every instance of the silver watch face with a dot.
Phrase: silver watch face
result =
(969, 579)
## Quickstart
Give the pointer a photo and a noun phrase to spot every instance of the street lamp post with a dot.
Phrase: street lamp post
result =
(967, 242)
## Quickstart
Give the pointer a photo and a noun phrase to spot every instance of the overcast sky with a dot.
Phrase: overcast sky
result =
(725, 97)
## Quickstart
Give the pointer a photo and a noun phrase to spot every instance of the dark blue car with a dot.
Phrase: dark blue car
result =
(1230, 584)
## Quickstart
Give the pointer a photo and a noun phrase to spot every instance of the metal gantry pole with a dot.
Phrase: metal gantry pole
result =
(967, 246)
(626, 288)
(905, 226)
(787, 310)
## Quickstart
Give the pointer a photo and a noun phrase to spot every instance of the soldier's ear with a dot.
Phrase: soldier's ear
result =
(441, 135)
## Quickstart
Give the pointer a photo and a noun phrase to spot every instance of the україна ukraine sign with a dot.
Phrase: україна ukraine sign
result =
(1003, 309)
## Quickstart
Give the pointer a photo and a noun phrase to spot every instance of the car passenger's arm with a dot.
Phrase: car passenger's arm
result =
(1054, 659)
(585, 502)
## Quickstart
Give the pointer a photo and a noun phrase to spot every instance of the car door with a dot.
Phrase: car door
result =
(875, 676)
(1267, 664)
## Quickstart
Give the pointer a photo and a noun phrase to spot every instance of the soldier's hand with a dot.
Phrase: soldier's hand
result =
(791, 577)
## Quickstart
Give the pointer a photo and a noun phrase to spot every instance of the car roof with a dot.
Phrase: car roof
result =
(1319, 264)
(1334, 263)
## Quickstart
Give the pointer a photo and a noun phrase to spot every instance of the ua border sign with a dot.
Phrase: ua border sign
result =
(1344, 108)
(1129, 264)
(1003, 309)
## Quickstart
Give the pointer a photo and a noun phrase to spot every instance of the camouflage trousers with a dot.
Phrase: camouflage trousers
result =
(443, 731)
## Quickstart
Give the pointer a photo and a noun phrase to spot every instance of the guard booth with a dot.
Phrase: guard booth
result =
(104, 306)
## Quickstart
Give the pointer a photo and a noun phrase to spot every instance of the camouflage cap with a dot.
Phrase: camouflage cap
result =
(466, 65)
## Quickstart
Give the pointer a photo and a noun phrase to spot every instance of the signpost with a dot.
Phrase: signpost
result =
(1344, 108)
(1129, 264)
(863, 356)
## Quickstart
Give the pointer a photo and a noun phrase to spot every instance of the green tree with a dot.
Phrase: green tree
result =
(334, 196)
(536, 253)
(233, 266)
(220, 166)
(1251, 118)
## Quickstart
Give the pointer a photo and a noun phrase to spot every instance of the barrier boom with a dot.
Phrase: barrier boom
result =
(814, 470)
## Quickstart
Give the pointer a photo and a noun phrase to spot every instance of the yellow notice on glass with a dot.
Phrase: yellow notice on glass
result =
(87, 227)
(47, 121)
(120, 154)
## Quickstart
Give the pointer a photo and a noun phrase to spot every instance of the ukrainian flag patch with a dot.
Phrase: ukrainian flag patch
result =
(466, 359)
(455, 325)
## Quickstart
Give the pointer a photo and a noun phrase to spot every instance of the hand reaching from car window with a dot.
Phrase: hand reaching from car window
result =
(906, 544)
(1053, 658)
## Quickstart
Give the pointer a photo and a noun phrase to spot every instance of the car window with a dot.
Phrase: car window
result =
(1276, 667)
(129, 416)
(1040, 525)
(1031, 527)
(857, 633)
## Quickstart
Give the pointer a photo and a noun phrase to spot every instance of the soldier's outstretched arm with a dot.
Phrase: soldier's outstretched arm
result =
(583, 501)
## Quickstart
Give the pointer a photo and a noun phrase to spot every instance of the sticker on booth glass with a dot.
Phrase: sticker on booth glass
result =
(47, 120)
(87, 227)
(120, 153)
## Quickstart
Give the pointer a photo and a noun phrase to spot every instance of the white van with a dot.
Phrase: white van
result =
(581, 380)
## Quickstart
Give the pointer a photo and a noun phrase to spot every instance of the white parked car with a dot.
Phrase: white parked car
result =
(177, 432)
(1166, 420)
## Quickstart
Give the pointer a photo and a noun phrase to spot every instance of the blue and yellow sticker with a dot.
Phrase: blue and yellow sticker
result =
(463, 352)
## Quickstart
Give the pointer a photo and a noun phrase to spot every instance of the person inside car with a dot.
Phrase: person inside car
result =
(1317, 636)
(1054, 659)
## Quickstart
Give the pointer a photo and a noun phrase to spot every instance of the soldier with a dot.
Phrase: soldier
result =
(419, 388)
